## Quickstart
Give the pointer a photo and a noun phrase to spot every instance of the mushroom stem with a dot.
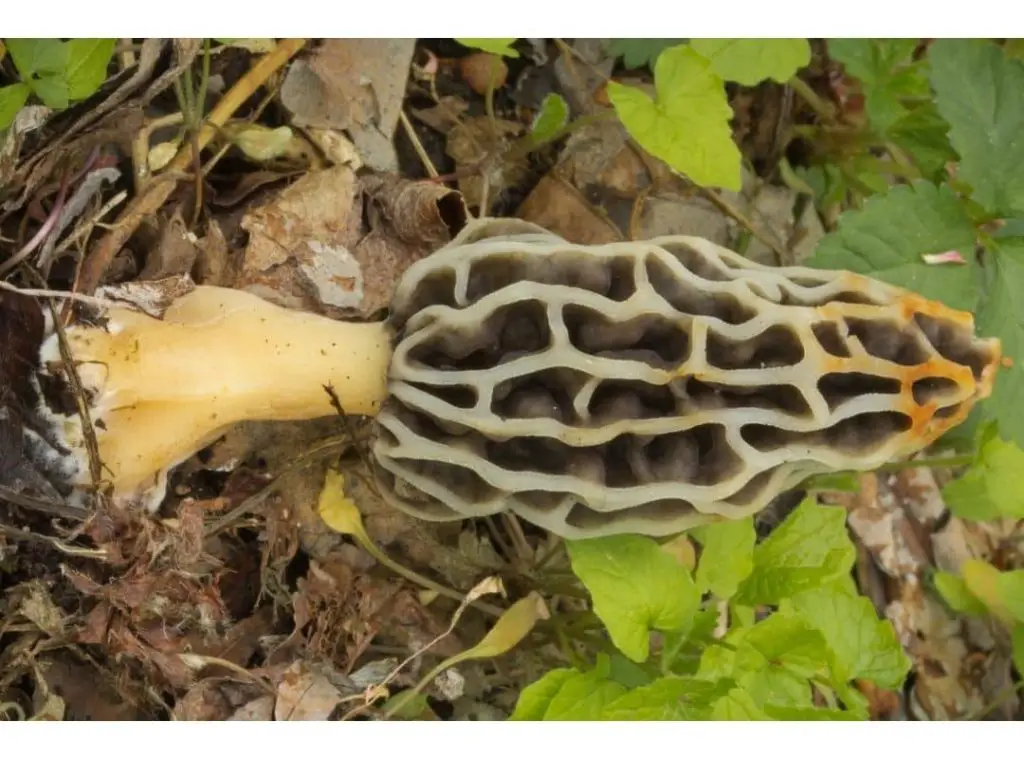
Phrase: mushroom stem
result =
(164, 388)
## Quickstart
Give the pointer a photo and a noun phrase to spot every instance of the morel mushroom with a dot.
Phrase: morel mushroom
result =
(630, 387)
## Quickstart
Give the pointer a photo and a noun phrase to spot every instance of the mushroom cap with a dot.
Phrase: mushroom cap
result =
(652, 386)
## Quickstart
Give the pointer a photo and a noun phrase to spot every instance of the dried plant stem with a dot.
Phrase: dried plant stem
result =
(156, 194)
(736, 214)
(417, 145)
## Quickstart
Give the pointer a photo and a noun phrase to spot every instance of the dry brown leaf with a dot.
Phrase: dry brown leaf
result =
(213, 261)
(559, 207)
(480, 144)
(308, 248)
(203, 702)
(676, 215)
(175, 254)
(305, 695)
(353, 84)
(444, 116)
(258, 710)
(878, 519)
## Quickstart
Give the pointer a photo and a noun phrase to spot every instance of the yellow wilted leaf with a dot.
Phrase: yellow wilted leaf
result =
(514, 625)
(337, 510)
(160, 155)
(681, 549)
(261, 143)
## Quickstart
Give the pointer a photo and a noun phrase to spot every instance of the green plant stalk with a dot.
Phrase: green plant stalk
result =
(526, 145)
(371, 548)
(825, 110)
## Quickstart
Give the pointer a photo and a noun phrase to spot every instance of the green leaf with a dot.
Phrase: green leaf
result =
(87, 65)
(553, 115)
(789, 641)
(681, 650)
(1001, 315)
(536, 697)
(583, 697)
(809, 549)
(796, 714)
(980, 92)
(636, 587)
(669, 698)
(863, 646)
(727, 558)
(954, 591)
(38, 56)
(627, 672)
(737, 706)
(640, 52)
(496, 46)
(887, 73)
(778, 686)
(889, 235)
(1011, 591)
(993, 487)
(12, 98)
(52, 90)
(750, 61)
(687, 126)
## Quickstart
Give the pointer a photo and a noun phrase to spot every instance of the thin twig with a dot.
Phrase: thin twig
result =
(417, 145)
(61, 510)
(91, 300)
(17, 533)
(42, 233)
(156, 194)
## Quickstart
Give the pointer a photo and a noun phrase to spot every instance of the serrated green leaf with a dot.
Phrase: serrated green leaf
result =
(640, 52)
(863, 646)
(52, 90)
(954, 591)
(751, 61)
(536, 697)
(687, 126)
(668, 698)
(924, 134)
(727, 558)
(979, 91)
(496, 46)
(809, 549)
(993, 487)
(887, 238)
(887, 73)
(553, 115)
(12, 98)
(1001, 315)
(636, 587)
(87, 65)
(795, 714)
(37, 56)
(737, 706)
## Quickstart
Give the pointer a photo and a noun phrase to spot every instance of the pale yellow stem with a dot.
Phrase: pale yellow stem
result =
(167, 387)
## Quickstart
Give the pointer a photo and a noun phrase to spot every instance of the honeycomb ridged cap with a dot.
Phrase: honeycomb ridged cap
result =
(652, 386)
